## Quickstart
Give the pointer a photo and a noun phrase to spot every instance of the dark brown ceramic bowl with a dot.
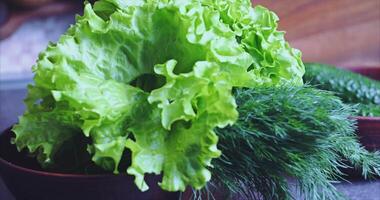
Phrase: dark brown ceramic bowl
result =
(369, 127)
(26, 182)
(369, 132)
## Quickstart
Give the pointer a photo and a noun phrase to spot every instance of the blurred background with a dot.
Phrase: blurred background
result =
(340, 32)
(345, 33)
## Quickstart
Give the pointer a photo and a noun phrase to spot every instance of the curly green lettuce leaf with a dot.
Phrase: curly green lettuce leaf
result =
(274, 61)
(188, 95)
(181, 153)
(31, 134)
(154, 77)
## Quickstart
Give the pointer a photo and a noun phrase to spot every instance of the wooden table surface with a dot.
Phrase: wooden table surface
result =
(340, 32)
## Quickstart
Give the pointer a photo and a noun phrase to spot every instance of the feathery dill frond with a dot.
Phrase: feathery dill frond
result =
(297, 132)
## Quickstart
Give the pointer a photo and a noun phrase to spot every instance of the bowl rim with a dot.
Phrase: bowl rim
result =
(59, 175)
(361, 118)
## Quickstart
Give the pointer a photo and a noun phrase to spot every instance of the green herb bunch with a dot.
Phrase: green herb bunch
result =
(155, 79)
(289, 132)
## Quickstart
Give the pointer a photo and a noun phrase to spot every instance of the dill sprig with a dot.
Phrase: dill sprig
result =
(298, 132)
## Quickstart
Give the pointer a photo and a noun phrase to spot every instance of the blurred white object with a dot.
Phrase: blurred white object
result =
(19, 52)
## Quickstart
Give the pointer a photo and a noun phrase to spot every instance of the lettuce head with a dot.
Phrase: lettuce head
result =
(154, 77)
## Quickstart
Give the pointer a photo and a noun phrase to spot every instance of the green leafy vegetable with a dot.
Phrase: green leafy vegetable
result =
(297, 132)
(154, 77)
(367, 110)
(351, 87)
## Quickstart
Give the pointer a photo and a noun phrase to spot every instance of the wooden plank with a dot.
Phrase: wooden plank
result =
(340, 32)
